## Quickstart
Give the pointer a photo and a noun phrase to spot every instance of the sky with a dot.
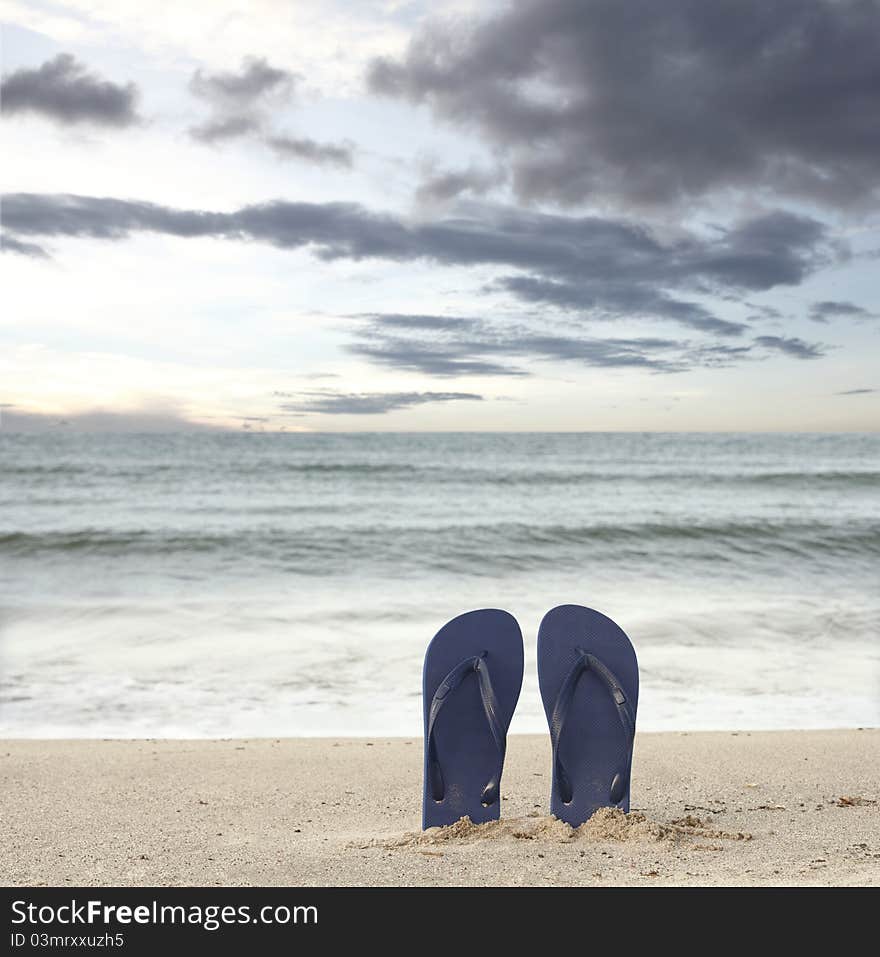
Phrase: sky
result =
(554, 215)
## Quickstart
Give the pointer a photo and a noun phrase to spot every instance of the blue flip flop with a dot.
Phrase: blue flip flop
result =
(471, 683)
(589, 680)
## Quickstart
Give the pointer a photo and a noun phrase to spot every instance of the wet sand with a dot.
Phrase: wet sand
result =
(708, 808)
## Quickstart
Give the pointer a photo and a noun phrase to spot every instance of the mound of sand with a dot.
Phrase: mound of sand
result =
(606, 825)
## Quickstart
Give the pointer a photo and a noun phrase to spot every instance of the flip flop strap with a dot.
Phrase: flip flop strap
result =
(585, 662)
(452, 681)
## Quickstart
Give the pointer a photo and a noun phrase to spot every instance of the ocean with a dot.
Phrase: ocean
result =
(224, 585)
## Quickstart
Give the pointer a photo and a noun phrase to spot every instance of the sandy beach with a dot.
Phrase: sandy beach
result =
(719, 808)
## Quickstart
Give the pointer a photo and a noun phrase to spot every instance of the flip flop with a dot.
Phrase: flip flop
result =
(589, 680)
(471, 683)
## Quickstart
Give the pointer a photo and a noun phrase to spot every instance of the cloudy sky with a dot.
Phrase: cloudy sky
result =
(549, 214)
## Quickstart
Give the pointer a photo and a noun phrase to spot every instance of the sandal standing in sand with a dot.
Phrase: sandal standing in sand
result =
(471, 683)
(589, 680)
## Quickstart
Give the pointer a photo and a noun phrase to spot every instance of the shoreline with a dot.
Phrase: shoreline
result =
(709, 808)
(353, 736)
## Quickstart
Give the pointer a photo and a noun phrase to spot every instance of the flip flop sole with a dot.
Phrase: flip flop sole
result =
(465, 746)
(593, 747)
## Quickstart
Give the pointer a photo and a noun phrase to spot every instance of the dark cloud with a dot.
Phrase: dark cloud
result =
(427, 356)
(587, 266)
(331, 154)
(614, 299)
(856, 392)
(255, 81)
(64, 90)
(434, 345)
(369, 403)
(225, 128)
(760, 311)
(395, 320)
(240, 101)
(640, 352)
(649, 103)
(442, 186)
(719, 355)
(794, 347)
(573, 249)
(772, 249)
(242, 104)
(831, 309)
(9, 244)
(98, 218)
(466, 345)
(461, 345)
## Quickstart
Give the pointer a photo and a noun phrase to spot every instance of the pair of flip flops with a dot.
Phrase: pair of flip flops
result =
(589, 681)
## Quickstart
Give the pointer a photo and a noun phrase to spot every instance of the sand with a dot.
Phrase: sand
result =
(708, 808)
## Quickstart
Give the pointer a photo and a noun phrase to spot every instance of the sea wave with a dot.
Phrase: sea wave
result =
(432, 473)
(502, 542)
